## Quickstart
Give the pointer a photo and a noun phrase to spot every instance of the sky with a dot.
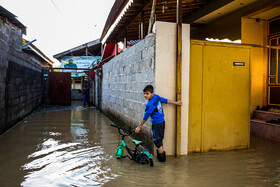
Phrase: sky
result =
(59, 25)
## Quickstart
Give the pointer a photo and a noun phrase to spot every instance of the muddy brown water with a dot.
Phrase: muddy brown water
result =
(76, 148)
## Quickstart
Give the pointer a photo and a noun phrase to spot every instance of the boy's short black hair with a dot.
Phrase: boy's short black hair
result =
(149, 88)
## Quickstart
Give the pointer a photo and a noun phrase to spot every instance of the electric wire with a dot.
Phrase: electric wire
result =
(56, 6)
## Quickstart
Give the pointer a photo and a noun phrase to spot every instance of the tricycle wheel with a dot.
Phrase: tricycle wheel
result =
(144, 159)
(119, 152)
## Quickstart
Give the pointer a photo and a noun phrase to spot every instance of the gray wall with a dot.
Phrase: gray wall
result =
(20, 78)
(124, 78)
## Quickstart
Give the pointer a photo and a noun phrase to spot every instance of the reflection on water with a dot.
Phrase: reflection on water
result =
(77, 147)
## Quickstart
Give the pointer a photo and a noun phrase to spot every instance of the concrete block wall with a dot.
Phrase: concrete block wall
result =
(98, 88)
(20, 78)
(124, 78)
(2, 95)
(91, 87)
(23, 91)
(45, 86)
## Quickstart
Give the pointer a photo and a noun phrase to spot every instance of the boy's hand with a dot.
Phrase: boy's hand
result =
(137, 130)
(179, 103)
(175, 102)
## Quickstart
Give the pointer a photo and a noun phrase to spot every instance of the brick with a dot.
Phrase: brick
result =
(3, 63)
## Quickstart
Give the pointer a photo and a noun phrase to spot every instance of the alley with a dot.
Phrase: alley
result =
(77, 148)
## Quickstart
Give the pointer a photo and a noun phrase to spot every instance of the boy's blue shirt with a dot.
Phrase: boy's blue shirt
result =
(154, 109)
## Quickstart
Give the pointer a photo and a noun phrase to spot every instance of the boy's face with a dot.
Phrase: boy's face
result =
(148, 95)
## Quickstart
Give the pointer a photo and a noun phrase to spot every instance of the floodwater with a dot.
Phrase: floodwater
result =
(76, 148)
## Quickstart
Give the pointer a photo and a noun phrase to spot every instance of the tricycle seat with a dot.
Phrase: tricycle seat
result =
(136, 142)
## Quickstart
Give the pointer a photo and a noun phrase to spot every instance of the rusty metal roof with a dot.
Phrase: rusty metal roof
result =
(125, 16)
(11, 18)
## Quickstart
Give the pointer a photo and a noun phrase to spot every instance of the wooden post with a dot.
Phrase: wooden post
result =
(94, 87)
(86, 51)
(116, 48)
(125, 39)
(139, 31)
(82, 83)
(179, 76)
(142, 23)
(102, 50)
(125, 42)
(152, 18)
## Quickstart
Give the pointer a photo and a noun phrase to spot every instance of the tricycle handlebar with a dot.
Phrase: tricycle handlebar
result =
(114, 125)
(124, 131)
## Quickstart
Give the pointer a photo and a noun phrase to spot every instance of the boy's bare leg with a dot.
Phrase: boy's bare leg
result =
(160, 150)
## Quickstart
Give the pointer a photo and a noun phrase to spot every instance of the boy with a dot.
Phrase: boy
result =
(154, 110)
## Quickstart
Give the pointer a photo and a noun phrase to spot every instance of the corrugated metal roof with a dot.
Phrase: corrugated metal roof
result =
(113, 15)
(4, 13)
(94, 45)
(125, 21)
(132, 42)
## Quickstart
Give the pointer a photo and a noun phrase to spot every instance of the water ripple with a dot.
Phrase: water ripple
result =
(77, 148)
(67, 164)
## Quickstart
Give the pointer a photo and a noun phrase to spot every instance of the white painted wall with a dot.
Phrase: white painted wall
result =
(165, 81)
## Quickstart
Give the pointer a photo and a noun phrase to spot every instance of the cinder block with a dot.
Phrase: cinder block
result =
(148, 52)
(146, 64)
(136, 57)
(140, 46)
(126, 70)
(2, 104)
(150, 40)
(3, 62)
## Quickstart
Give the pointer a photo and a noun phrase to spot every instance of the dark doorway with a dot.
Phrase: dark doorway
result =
(60, 88)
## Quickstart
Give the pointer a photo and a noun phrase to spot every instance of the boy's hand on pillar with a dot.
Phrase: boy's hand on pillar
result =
(179, 103)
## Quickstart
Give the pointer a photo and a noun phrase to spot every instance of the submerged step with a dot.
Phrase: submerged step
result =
(266, 115)
(266, 130)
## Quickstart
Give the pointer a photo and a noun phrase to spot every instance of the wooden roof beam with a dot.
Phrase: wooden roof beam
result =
(206, 9)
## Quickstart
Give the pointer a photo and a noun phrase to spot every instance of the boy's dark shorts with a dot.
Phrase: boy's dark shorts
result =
(158, 133)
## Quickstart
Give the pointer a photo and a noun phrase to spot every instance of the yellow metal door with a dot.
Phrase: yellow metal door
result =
(219, 113)
(195, 98)
(226, 98)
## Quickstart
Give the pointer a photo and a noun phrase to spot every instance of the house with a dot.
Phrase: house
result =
(222, 83)
(36, 54)
(80, 61)
(21, 72)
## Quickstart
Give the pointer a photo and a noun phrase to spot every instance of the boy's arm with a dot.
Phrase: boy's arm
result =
(137, 130)
(163, 100)
(174, 102)
(148, 111)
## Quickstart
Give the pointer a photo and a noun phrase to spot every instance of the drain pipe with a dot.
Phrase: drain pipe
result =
(178, 77)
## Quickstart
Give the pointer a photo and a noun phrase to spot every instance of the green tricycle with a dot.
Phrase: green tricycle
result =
(142, 157)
